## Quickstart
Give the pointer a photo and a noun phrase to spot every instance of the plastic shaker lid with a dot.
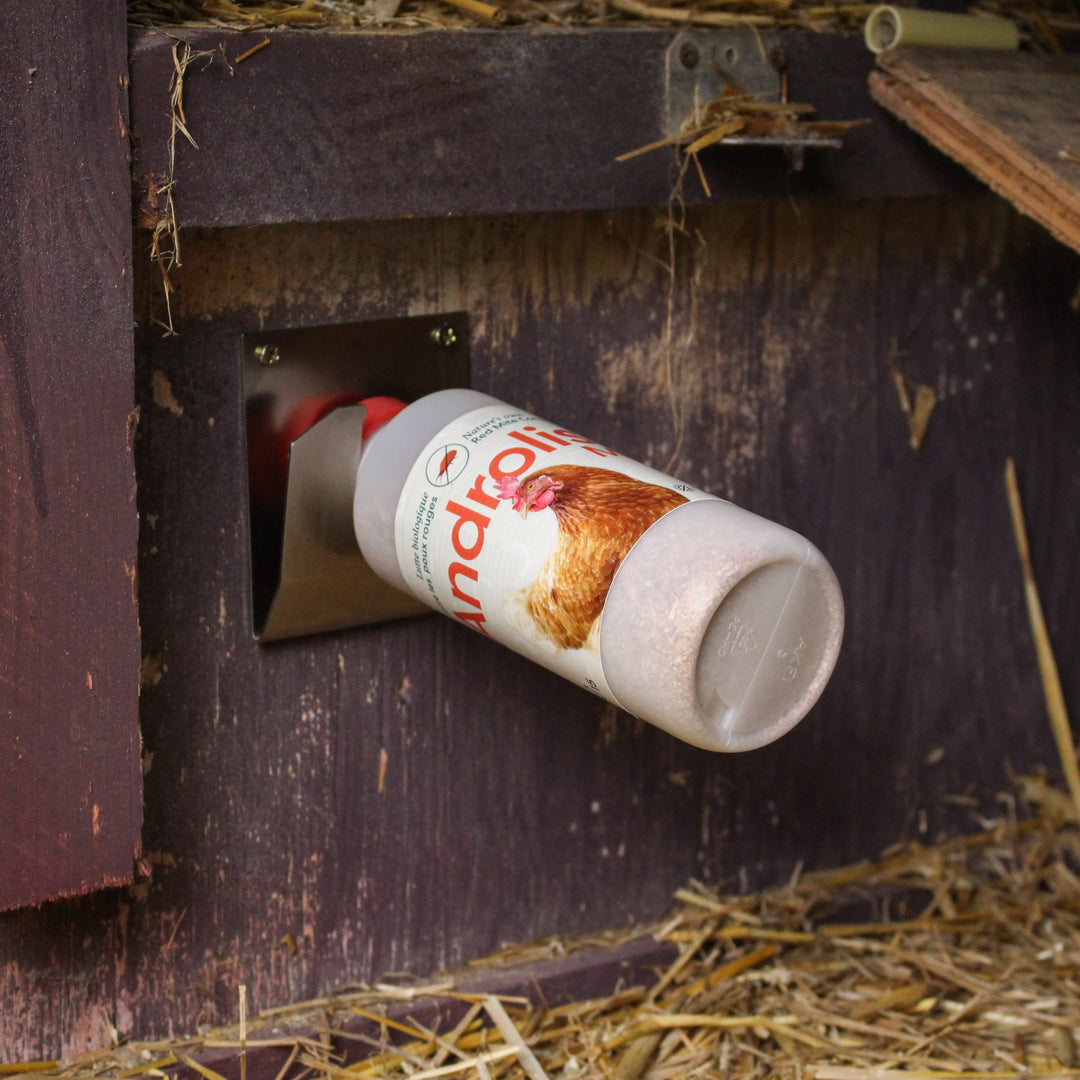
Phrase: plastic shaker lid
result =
(721, 627)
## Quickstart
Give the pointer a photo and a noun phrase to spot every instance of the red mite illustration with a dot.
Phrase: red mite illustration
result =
(601, 514)
(446, 462)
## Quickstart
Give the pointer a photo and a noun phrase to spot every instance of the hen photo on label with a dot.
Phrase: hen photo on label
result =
(601, 515)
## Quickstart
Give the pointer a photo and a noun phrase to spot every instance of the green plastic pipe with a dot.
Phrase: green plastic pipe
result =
(889, 27)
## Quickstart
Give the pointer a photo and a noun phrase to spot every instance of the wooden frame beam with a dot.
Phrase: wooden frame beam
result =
(70, 772)
(353, 126)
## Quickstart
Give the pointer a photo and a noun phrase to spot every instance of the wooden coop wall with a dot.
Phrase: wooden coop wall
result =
(69, 635)
(757, 364)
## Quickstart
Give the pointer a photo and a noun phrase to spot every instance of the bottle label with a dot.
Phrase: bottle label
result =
(516, 528)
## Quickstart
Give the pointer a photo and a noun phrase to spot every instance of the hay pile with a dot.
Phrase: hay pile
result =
(955, 962)
(462, 14)
(1045, 25)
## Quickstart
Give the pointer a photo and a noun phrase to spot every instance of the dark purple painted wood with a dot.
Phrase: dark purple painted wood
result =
(513, 805)
(333, 126)
(71, 807)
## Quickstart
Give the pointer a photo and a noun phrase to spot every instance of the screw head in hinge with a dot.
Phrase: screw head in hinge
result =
(444, 336)
(688, 54)
(267, 355)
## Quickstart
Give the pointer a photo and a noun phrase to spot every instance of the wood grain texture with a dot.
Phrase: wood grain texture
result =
(1007, 118)
(69, 649)
(514, 805)
(360, 126)
(587, 974)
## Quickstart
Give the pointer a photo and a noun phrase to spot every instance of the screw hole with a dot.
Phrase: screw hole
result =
(731, 54)
(688, 54)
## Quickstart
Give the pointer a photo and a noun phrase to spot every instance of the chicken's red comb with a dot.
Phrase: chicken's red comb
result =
(509, 487)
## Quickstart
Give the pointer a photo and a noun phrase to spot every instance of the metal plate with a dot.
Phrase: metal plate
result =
(701, 64)
(307, 574)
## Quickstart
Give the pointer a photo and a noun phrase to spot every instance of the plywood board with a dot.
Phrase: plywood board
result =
(1009, 118)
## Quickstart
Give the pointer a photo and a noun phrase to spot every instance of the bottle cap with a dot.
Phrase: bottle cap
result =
(721, 627)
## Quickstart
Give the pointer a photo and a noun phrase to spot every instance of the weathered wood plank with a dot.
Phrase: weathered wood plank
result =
(1010, 119)
(514, 805)
(360, 126)
(69, 653)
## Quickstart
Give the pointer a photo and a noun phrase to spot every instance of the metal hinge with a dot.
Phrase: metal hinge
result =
(704, 64)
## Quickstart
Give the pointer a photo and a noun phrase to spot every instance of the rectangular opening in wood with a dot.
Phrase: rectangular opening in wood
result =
(302, 387)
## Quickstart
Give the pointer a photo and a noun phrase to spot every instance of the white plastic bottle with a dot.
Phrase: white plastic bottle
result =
(702, 618)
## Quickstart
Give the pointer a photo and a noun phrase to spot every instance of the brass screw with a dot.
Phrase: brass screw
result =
(444, 336)
(267, 355)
